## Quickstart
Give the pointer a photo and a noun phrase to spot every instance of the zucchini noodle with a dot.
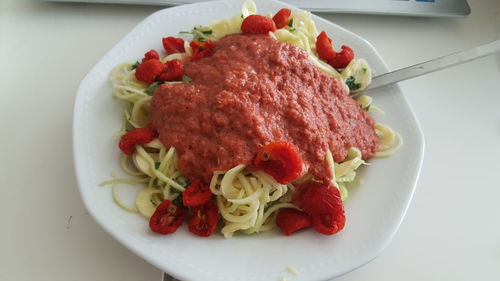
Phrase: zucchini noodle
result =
(390, 141)
(120, 203)
(248, 201)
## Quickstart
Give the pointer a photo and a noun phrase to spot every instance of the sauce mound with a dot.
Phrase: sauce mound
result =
(254, 90)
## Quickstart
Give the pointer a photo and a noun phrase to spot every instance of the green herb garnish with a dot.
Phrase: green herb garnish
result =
(178, 201)
(200, 33)
(186, 78)
(157, 165)
(152, 88)
(364, 70)
(135, 65)
(292, 29)
(155, 200)
(290, 24)
(351, 83)
(202, 29)
(365, 108)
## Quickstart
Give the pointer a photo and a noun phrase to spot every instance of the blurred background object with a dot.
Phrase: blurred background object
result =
(425, 8)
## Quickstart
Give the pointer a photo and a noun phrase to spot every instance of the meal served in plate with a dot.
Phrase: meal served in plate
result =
(249, 125)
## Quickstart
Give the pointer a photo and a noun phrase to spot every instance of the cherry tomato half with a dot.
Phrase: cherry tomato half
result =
(173, 45)
(204, 219)
(281, 160)
(173, 71)
(151, 55)
(291, 220)
(257, 24)
(167, 218)
(324, 47)
(330, 223)
(282, 18)
(196, 194)
(327, 53)
(135, 136)
(148, 70)
(201, 49)
(342, 59)
(316, 198)
(323, 203)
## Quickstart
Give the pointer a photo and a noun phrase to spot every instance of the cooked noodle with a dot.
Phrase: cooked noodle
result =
(248, 201)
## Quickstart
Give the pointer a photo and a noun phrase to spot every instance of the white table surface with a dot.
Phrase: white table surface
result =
(451, 230)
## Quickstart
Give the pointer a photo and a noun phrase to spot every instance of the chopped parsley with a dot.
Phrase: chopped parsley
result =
(290, 24)
(365, 108)
(202, 29)
(351, 83)
(135, 65)
(157, 165)
(199, 33)
(364, 70)
(155, 200)
(292, 29)
(186, 78)
(177, 201)
(152, 88)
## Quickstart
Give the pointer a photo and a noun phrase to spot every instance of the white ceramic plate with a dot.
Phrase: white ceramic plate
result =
(374, 210)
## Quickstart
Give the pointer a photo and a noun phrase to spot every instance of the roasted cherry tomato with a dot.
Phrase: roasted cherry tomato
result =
(148, 70)
(324, 47)
(343, 58)
(135, 136)
(326, 52)
(173, 45)
(316, 198)
(173, 71)
(257, 24)
(291, 220)
(329, 223)
(167, 218)
(151, 55)
(201, 49)
(281, 160)
(282, 18)
(196, 194)
(204, 219)
(323, 203)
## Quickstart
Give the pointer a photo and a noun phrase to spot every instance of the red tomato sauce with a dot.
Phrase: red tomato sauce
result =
(251, 91)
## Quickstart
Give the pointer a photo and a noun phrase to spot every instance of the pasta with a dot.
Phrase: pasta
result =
(248, 200)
